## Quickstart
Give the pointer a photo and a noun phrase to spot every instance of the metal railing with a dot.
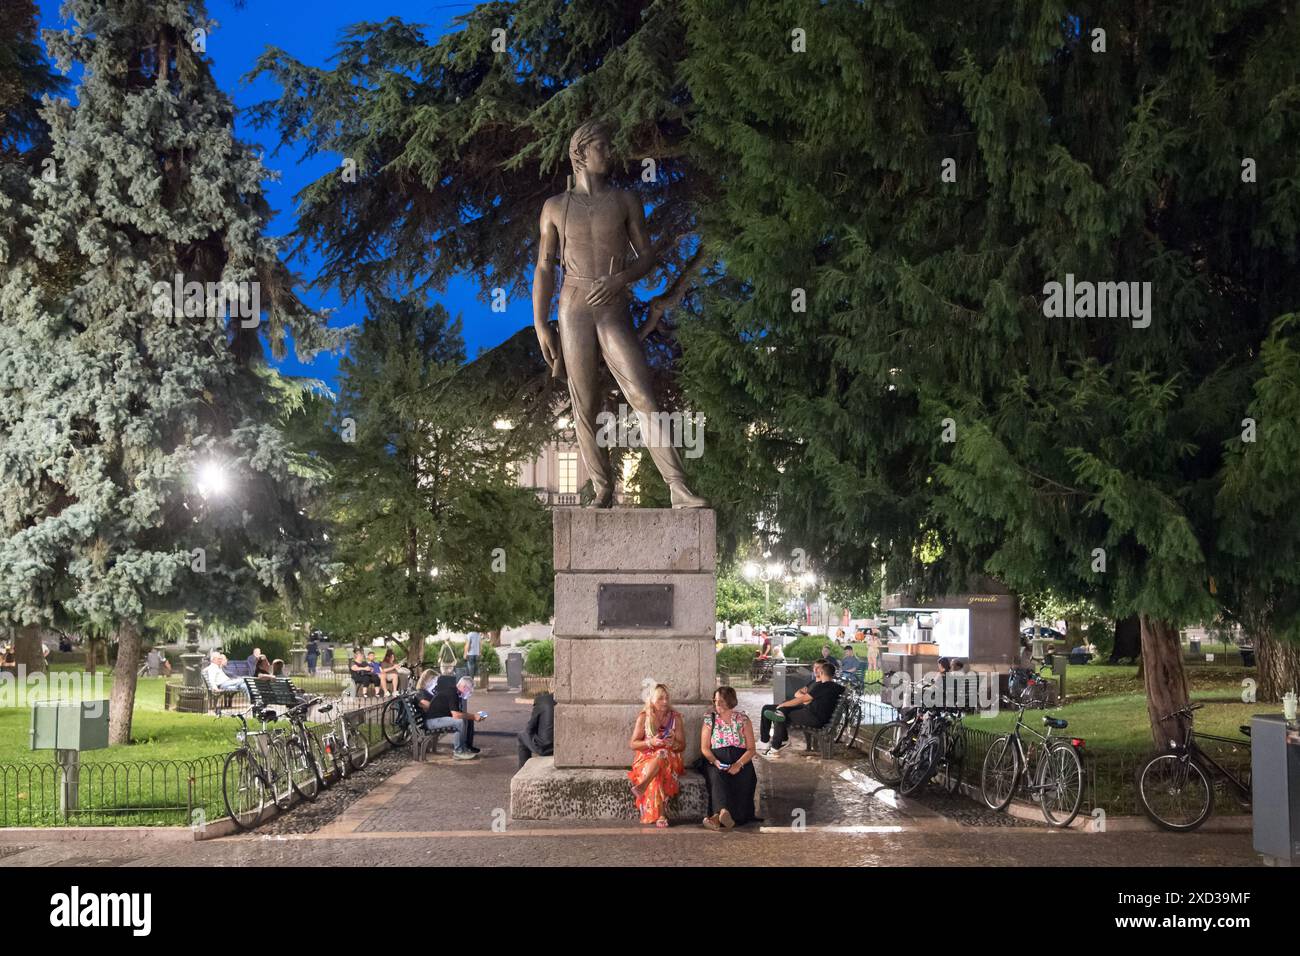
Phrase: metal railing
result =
(134, 792)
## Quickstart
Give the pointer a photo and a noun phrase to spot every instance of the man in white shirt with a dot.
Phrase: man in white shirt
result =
(473, 644)
(217, 678)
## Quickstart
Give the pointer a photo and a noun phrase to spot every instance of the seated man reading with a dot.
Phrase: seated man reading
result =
(811, 707)
(440, 703)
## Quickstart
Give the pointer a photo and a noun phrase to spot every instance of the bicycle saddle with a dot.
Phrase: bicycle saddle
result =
(325, 708)
(1056, 723)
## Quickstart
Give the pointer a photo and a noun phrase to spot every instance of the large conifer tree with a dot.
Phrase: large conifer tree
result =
(117, 406)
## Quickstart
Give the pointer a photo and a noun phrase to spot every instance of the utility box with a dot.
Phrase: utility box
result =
(1275, 782)
(60, 725)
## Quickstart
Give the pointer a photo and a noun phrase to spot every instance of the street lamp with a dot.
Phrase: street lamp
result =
(765, 573)
(212, 479)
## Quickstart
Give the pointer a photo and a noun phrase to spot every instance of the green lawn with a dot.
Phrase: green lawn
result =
(158, 734)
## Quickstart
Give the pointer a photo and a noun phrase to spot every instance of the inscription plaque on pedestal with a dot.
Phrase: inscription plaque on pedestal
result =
(634, 605)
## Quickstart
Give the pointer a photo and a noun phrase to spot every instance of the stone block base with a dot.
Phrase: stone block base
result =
(596, 735)
(541, 791)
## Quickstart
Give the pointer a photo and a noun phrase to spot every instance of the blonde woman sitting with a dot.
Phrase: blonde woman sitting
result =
(658, 740)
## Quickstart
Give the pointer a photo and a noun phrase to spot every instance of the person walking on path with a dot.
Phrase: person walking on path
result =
(473, 646)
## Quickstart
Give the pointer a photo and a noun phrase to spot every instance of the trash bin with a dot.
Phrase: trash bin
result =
(1194, 646)
(515, 670)
(1248, 657)
(788, 678)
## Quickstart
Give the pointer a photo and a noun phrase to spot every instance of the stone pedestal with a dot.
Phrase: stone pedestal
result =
(603, 664)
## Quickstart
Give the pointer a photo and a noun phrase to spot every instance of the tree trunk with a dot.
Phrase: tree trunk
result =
(1128, 640)
(1166, 682)
(495, 637)
(91, 655)
(121, 700)
(1278, 664)
(27, 650)
(415, 652)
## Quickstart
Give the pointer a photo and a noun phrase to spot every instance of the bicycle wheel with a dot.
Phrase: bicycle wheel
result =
(358, 749)
(242, 790)
(1060, 785)
(919, 766)
(887, 751)
(956, 762)
(338, 762)
(278, 769)
(1001, 773)
(317, 752)
(395, 735)
(1175, 792)
(302, 773)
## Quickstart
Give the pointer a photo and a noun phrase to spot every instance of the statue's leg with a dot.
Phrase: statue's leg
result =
(627, 362)
(582, 366)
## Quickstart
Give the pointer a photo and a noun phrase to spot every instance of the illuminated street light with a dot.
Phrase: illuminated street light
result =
(212, 479)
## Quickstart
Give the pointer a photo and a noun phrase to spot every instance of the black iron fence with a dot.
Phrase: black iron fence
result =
(135, 792)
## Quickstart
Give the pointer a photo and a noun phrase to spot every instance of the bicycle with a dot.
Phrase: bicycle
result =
(1050, 769)
(262, 765)
(1175, 788)
(310, 747)
(939, 743)
(345, 747)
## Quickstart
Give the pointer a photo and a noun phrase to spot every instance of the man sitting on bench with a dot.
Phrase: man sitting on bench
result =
(441, 706)
(811, 707)
(218, 679)
(362, 675)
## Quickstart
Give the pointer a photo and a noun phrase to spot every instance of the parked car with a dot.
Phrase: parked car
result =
(784, 634)
(1046, 633)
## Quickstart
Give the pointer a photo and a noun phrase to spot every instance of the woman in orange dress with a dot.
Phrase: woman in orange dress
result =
(659, 740)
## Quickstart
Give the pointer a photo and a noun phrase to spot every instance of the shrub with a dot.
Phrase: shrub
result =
(540, 661)
(809, 647)
(736, 658)
(275, 645)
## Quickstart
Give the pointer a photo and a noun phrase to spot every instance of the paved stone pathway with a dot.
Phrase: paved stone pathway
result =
(816, 813)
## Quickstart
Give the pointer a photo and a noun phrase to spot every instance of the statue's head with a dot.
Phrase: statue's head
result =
(589, 147)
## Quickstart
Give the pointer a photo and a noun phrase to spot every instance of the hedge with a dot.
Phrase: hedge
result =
(540, 661)
(736, 658)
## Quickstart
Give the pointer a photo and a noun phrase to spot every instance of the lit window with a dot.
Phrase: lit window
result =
(567, 462)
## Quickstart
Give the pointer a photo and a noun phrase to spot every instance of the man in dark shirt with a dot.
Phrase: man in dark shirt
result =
(538, 738)
(811, 707)
(441, 706)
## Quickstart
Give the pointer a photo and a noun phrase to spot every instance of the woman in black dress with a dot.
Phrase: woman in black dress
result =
(727, 749)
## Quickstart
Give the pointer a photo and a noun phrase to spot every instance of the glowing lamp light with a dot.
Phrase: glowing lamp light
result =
(213, 479)
(503, 424)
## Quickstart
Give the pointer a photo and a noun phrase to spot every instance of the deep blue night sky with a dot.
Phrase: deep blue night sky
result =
(309, 31)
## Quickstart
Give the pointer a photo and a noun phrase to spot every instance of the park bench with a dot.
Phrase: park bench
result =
(419, 737)
(227, 697)
(846, 715)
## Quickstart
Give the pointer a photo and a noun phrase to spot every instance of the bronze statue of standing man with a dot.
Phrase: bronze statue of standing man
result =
(587, 231)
